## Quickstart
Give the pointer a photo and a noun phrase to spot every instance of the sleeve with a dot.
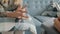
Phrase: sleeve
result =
(2, 11)
(3, 15)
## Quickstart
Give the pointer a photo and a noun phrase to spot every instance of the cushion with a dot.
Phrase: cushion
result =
(36, 7)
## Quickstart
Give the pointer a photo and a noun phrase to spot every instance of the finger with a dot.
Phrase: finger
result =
(18, 9)
(21, 11)
(24, 9)
(19, 17)
(24, 15)
(24, 6)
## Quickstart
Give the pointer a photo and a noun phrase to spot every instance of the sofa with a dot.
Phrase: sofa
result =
(37, 7)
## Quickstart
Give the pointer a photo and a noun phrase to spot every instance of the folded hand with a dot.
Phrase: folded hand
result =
(18, 13)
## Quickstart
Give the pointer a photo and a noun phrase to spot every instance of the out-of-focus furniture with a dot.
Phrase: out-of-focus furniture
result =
(36, 7)
(47, 24)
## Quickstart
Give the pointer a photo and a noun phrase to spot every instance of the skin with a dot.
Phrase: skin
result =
(57, 24)
(18, 13)
(58, 18)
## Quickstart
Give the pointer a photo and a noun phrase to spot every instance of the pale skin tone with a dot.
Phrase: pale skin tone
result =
(18, 13)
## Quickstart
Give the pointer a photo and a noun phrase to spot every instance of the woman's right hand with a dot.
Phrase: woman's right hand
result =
(18, 13)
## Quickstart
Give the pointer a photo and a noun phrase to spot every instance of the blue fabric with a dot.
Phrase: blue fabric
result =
(48, 21)
(37, 24)
(36, 7)
(44, 18)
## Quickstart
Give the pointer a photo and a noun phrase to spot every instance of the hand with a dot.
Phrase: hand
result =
(57, 24)
(22, 10)
(18, 13)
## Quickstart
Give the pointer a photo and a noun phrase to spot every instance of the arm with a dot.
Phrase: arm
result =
(57, 24)
(18, 13)
(10, 14)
